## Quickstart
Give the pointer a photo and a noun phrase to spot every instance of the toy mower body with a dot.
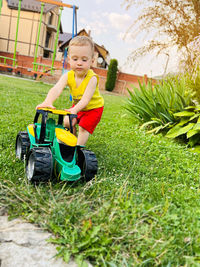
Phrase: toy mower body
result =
(51, 150)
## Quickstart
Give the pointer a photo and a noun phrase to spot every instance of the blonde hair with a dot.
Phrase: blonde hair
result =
(82, 41)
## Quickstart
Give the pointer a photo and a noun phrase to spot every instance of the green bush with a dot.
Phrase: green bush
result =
(111, 75)
(156, 105)
(193, 82)
(188, 125)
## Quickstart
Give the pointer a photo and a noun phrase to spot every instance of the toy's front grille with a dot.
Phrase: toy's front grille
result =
(67, 152)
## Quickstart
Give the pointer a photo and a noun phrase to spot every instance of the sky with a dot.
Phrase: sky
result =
(108, 21)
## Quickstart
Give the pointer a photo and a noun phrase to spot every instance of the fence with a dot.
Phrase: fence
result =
(25, 68)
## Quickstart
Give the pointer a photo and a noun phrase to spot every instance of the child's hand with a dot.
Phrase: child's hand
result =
(72, 110)
(45, 105)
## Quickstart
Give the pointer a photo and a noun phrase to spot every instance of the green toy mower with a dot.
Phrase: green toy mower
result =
(50, 150)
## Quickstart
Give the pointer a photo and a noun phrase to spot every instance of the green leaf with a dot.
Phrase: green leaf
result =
(191, 132)
(183, 121)
(67, 256)
(158, 120)
(197, 126)
(176, 131)
(148, 123)
(194, 117)
(197, 107)
(80, 262)
(156, 129)
(184, 114)
(167, 125)
(168, 117)
(95, 231)
(190, 108)
(173, 130)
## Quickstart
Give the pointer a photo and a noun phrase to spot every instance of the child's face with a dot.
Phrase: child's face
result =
(80, 59)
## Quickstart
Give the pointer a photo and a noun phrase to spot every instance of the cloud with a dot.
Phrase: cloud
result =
(98, 2)
(96, 26)
(102, 23)
(119, 21)
(128, 38)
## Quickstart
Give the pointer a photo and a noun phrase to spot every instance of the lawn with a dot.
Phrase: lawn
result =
(143, 207)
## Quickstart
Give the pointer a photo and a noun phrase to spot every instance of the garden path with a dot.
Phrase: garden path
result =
(23, 244)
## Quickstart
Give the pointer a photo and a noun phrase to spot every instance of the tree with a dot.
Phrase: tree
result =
(195, 51)
(175, 23)
(111, 75)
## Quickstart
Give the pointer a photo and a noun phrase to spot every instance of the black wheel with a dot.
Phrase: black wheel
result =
(88, 164)
(22, 145)
(39, 165)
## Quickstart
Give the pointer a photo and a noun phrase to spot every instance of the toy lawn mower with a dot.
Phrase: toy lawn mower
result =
(50, 150)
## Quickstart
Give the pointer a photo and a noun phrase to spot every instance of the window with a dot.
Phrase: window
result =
(46, 54)
(50, 18)
(48, 36)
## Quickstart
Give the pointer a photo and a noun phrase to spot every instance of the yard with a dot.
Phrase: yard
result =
(143, 207)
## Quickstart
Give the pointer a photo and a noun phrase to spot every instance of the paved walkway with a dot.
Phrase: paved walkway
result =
(23, 244)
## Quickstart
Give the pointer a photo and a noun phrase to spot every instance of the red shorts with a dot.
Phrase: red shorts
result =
(89, 119)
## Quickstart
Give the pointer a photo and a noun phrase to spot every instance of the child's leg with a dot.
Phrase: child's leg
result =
(88, 121)
(83, 136)
(67, 125)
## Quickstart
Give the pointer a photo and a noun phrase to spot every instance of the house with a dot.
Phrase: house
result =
(27, 55)
(28, 27)
(28, 30)
(101, 55)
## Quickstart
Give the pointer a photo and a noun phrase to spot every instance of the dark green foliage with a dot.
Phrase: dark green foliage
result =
(168, 107)
(111, 75)
(187, 126)
(155, 105)
(193, 82)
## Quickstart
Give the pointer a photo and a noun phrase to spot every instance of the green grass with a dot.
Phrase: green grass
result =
(142, 209)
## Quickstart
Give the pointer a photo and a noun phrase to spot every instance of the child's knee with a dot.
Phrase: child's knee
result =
(66, 121)
(67, 124)
(83, 131)
(74, 122)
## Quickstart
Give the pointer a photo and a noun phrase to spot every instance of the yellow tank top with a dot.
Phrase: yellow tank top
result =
(96, 101)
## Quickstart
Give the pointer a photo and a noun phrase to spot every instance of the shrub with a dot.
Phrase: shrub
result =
(111, 75)
(188, 125)
(156, 105)
(193, 82)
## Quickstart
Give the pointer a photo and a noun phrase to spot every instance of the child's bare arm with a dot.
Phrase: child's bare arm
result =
(89, 91)
(54, 93)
